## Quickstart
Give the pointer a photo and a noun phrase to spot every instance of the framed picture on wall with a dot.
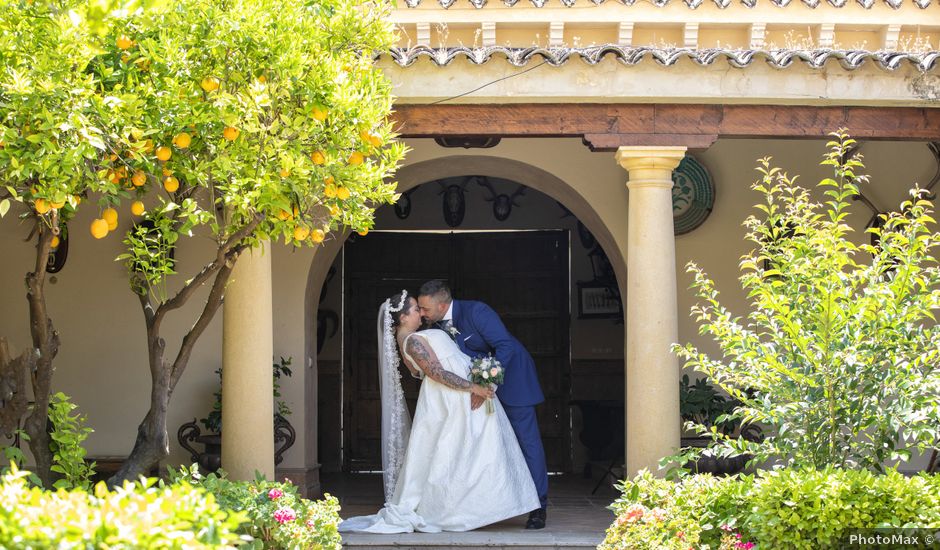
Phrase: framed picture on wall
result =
(597, 301)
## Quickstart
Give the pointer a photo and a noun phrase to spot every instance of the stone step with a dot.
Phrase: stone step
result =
(523, 540)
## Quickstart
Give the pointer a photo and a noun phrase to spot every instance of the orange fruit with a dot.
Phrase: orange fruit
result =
(164, 153)
(283, 215)
(42, 206)
(110, 215)
(375, 140)
(317, 235)
(262, 79)
(319, 114)
(55, 241)
(230, 133)
(342, 193)
(318, 157)
(137, 208)
(77, 199)
(284, 172)
(364, 232)
(99, 228)
(329, 190)
(167, 171)
(57, 205)
(210, 84)
(171, 184)
(301, 232)
(123, 42)
(139, 178)
(148, 145)
(334, 210)
(328, 180)
(182, 140)
(365, 136)
(355, 158)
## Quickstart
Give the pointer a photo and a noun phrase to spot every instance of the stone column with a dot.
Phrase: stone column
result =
(652, 377)
(247, 356)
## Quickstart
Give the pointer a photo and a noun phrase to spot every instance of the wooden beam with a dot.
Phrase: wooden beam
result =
(608, 126)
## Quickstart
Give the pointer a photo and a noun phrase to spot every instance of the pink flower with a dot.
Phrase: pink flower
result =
(634, 512)
(275, 493)
(284, 515)
(494, 371)
(744, 545)
(680, 535)
(725, 527)
(311, 524)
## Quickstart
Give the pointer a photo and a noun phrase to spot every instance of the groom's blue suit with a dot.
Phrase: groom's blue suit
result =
(481, 332)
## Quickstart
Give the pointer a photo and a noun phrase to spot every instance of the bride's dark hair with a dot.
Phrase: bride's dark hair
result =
(393, 302)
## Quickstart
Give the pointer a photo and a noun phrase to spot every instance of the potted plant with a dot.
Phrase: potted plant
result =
(211, 459)
(700, 403)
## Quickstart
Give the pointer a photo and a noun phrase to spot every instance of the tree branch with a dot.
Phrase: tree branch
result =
(203, 276)
(213, 302)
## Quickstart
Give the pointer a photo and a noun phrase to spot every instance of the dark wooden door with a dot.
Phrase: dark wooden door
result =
(522, 275)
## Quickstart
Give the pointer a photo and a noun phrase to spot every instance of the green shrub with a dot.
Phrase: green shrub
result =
(68, 434)
(278, 518)
(810, 509)
(136, 516)
(836, 356)
(776, 509)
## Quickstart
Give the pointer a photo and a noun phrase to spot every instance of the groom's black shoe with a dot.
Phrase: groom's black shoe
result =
(536, 519)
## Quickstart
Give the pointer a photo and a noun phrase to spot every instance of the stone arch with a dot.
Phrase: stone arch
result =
(413, 175)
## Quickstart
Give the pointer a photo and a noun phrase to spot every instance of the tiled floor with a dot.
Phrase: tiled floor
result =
(576, 519)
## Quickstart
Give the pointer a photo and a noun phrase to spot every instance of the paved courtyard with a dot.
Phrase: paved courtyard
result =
(576, 519)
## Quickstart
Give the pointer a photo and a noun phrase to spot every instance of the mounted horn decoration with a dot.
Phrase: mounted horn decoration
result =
(502, 203)
(455, 203)
(403, 204)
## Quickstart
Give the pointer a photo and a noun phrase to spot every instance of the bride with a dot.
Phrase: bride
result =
(455, 469)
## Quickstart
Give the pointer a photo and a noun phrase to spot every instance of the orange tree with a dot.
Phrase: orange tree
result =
(51, 147)
(242, 121)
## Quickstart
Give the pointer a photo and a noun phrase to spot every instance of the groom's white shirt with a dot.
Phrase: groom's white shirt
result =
(449, 316)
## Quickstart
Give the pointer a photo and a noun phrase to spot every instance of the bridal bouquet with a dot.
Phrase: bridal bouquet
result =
(486, 371)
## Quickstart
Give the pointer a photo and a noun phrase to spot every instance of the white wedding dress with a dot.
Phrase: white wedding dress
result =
(462, 469)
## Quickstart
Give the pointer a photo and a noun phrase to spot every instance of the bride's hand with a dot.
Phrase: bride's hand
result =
(482, 391)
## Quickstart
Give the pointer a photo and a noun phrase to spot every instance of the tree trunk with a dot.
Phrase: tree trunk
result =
(153, 443)
(46, 345)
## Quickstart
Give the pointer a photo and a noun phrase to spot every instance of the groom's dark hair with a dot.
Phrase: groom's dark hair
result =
(436, 289)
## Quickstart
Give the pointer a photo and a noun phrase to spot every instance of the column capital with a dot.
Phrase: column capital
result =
(631, 157)
(650, 166)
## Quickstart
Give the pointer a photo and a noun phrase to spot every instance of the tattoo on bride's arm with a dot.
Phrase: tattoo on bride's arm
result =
(432, 367)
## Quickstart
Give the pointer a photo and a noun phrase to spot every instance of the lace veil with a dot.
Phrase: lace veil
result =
(396, 423)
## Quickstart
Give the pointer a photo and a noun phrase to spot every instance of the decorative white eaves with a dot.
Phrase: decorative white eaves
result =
(780, 59)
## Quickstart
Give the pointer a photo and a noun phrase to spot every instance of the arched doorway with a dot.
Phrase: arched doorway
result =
(566, 202)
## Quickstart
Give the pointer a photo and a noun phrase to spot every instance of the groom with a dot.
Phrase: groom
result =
(479, 331)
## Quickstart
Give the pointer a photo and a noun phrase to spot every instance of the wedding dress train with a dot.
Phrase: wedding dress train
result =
(462, 469)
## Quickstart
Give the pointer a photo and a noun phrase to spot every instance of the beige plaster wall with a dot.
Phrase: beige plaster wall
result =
(102, 360)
